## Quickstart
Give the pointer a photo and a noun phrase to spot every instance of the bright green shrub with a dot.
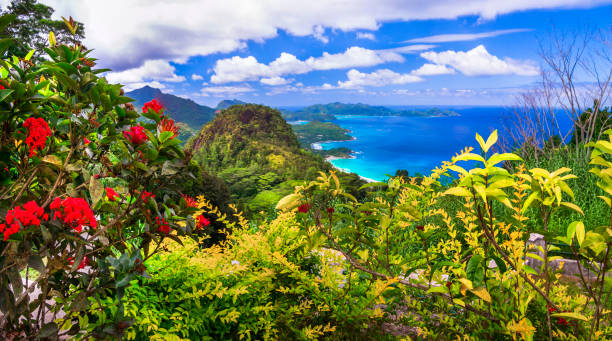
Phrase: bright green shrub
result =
(268, 284)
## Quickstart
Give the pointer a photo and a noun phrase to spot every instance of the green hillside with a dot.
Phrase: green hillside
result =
(256, 153)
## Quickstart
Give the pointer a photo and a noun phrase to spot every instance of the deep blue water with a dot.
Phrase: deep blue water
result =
(416, 144)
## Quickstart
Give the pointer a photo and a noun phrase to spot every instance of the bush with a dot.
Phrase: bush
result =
(269, 284)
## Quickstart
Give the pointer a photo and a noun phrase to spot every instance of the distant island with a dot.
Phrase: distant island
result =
(328, 112)
(315, 132)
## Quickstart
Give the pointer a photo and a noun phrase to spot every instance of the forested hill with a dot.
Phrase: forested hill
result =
(256, 153)
(180, 109)
(228, 103)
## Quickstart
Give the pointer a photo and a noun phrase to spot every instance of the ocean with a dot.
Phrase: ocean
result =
(417, 144)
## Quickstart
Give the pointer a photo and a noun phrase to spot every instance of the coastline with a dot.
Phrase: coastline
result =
(331, 158)
(318, 145)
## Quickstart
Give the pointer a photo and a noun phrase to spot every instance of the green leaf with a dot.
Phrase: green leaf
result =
(474, 269)
(36, 262)
(490, 141)
(458, 191)
(288, 202)
(96, 190)
(575, 316)
(580, 232)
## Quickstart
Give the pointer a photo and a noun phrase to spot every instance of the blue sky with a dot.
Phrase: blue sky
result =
(285, 53)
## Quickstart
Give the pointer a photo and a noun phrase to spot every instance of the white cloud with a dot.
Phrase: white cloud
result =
(432, 70)
(445, 38)
(178, 30)
(196, 77)
(224, 90)
(274, 81)
(478, 62)
(366, 35)
(380, 77)
(319, 34)
(151, 71)
(239, 69)
(410, 48)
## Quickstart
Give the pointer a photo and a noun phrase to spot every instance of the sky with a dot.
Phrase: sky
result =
(294, 53)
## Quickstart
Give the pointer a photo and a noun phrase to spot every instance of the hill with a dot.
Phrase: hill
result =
(190, 114)
(228, 103)
(256, 153)
(327, 112)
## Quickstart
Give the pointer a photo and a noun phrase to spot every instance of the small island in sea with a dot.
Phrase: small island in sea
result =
(313, 133)
(328, 112)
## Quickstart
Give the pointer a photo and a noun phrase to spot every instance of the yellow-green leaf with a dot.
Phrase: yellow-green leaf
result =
(575, 316)
(482, 293)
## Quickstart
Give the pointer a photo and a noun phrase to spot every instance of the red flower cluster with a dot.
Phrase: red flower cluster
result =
(202, 222)
(560, 321)
(146, 195)
(136, 135)
(86, 140)
(111, 194)
(38, 131)
(303, 208)
(190, 201)
(83, 263)
(162, 225)
(3, 84)
(74, 212)
(330, 210)
(167, 124)
(420, 227)
(29, 215)
(153, 105)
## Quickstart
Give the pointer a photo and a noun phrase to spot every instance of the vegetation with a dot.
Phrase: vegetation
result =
(31, 26)
(103, 237)
(256, 153)
(190, 115)
(315, 131)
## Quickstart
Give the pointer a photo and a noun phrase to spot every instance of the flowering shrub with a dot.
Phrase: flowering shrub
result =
(263, 285)
(87, 184)
(463, 273)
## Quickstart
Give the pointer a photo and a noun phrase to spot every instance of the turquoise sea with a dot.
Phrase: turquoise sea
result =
(417, 144)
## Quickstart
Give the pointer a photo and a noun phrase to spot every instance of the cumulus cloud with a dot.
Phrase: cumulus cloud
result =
(220, 91)
(479, 62)
(365, 35)
(432, 70)
(238, 69)
(380, 77)
(151, 71)
(274, 81)
(177, 30)
(446, 38)
(195, 77)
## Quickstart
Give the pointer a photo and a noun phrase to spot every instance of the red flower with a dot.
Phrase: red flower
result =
(38, 131)
(136, 135)
(74, 212)
(202, 222)
(420, 227)
(111, 194)
(3, 84)
(83, 263)
(153, 105)
(562, 322)
(30, 214)
(162, 225)
(330, 210)
(146, 195)
(190, 201)
(167, 124)
(449, 284)
(86, 140)
(304, 208)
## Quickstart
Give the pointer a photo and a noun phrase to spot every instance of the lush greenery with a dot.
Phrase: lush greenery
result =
(256, 153)
(31, 25)
(315, 131)
(328, 112)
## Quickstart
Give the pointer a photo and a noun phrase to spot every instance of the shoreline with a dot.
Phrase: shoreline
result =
(345, 170)
(318, 145)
